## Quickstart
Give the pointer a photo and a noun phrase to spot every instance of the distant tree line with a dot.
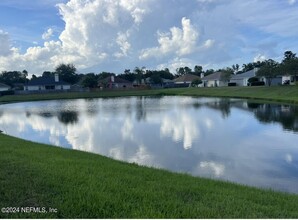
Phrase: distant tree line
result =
(67, 72)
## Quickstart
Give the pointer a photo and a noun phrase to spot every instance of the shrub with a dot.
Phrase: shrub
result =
(9, 92)
(196, 82)
(253, 79)
(232, 84)
(257, 83)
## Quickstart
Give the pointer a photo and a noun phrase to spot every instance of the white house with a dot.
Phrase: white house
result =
(242, 79)
(289, 80)
(47, 83)
(4, 87)
(216, 79)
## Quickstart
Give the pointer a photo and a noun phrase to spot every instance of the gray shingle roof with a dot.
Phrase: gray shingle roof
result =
(247, 74)
(46, 81)
(213, 76)
(2, 85)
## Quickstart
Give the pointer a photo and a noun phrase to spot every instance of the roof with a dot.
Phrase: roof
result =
(186, 78)
(116, 80)
(213, 76)
(148, 79)
(46, 81)
(247, 74)
(2, 85)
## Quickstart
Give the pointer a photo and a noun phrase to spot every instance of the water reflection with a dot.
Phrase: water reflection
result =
(286, 115)
(218, 138)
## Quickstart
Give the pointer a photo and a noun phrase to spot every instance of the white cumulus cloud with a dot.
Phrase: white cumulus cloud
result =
(181, 41)
(48, 34)
(106, 35)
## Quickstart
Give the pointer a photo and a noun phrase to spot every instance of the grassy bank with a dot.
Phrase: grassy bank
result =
(275, 93)
(83, 185)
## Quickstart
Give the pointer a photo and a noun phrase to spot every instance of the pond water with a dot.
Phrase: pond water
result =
(229, 139)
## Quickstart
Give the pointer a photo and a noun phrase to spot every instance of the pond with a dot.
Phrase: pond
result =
(229, 139)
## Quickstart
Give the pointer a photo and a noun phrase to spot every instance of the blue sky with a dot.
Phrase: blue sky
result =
(104, 35)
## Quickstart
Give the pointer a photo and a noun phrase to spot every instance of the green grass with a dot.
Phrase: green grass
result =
(84, 185)
(275, 93)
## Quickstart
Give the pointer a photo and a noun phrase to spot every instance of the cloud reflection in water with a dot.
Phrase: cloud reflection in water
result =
(201, 136)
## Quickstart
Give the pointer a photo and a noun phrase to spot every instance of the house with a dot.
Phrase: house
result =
(242, 79)
(4, 87)
(113, 82)
(47, 83)
(216, 79)
(289, 80)
(185, 80)
(274, 81)
(165, 83)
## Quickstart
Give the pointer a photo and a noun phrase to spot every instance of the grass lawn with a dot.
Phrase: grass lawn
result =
(275, 93)
(85, 185)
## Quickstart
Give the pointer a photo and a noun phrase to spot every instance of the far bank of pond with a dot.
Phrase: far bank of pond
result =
(288, 94)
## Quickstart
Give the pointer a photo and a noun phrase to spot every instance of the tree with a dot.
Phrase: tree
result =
(139, 73)
(13, 77)
(25, 73)
(226, 74)
(180, 71)
(268, 70)
(90, 80)
(208, 72)
(198, 70)
(127, 75)
(127, 71)
(288, 55)
(156, 79)
(67, 73)
(183, 70)
(167, 70)
(48, 74)
(196, 82)
(166, 74)
(104, 75)
(248, 67)
(289, 65)
(187, 70)
(235, 68)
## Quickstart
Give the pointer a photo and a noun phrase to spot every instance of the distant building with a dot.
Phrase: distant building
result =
(215, 80)
(185, 80)
(242, 79)
(165, 83)
(4, 87)
(47, 83)
(289, 79)
(113, 82)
